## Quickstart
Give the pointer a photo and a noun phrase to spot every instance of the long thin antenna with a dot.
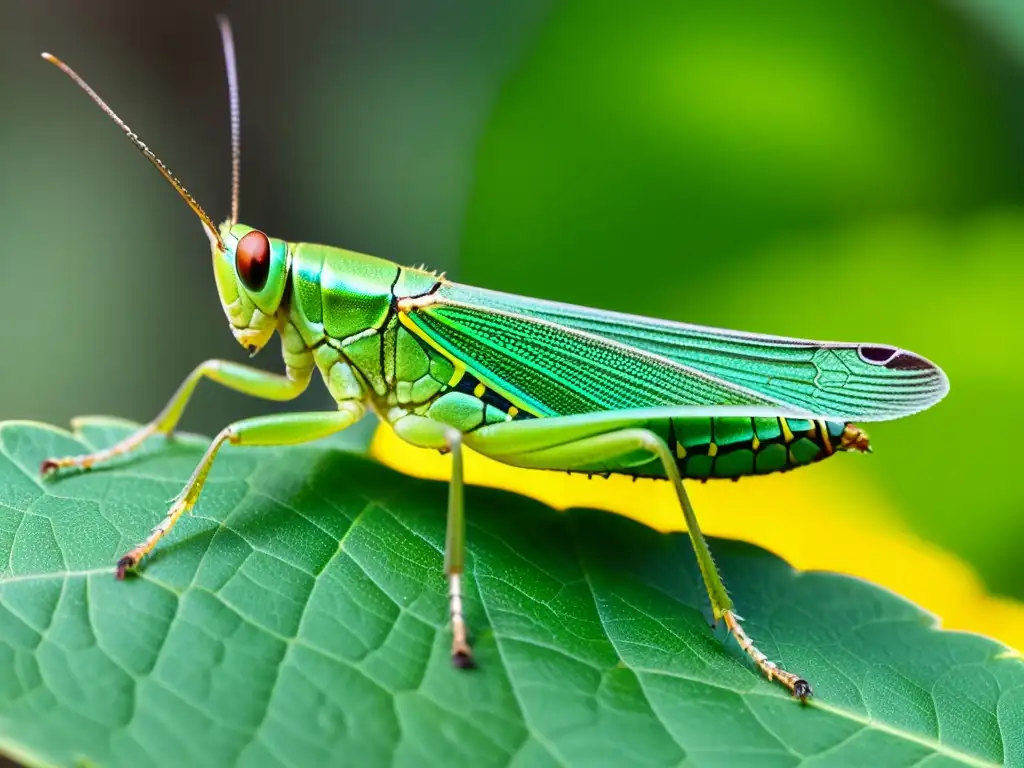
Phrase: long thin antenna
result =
(228, 41)
(211, 230)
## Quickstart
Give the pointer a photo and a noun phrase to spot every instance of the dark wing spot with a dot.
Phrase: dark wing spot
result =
(908, 361)
(877, 355)
(894, 359)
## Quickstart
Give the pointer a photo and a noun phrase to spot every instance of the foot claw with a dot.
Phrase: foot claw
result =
(51, 466)
(802, 690)
(126, 562)
(463, 660)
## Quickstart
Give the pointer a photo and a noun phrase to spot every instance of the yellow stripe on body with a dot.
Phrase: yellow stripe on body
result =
(460, 367)
(823, 428)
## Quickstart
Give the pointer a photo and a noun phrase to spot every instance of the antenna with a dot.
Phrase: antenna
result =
(211, 230)
(228, 43)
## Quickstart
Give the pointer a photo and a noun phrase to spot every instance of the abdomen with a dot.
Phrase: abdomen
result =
(703, 447)
(736, 447)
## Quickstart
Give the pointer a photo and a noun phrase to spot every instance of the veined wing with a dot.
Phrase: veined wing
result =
(560, 359)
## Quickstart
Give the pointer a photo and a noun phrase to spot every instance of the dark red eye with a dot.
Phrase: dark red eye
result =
(252, 260)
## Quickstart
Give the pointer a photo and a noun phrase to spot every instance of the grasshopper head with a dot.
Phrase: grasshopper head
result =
(251, 271)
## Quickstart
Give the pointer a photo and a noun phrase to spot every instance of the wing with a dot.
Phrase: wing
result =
(560, 359)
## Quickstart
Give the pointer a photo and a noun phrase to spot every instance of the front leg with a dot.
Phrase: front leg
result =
(278, 429)
(241, 378)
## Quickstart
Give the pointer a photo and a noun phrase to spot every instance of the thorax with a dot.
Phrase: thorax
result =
(341, 318)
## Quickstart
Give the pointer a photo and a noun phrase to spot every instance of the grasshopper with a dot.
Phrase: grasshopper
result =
(527, 382)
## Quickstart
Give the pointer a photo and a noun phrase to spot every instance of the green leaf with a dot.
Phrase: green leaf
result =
(299, 618)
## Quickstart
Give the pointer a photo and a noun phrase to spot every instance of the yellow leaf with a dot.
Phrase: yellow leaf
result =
(827, 517)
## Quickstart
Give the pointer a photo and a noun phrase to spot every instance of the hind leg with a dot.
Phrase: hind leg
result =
(619, 449)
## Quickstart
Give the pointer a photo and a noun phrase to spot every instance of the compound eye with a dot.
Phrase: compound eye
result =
(252, 260)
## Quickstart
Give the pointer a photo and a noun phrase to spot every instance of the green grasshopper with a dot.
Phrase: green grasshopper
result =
(527, 382)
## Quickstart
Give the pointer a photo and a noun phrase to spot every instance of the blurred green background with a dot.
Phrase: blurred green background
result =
(850, 170)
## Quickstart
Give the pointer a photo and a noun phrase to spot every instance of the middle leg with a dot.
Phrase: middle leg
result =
(425, 433)
(277, 429)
